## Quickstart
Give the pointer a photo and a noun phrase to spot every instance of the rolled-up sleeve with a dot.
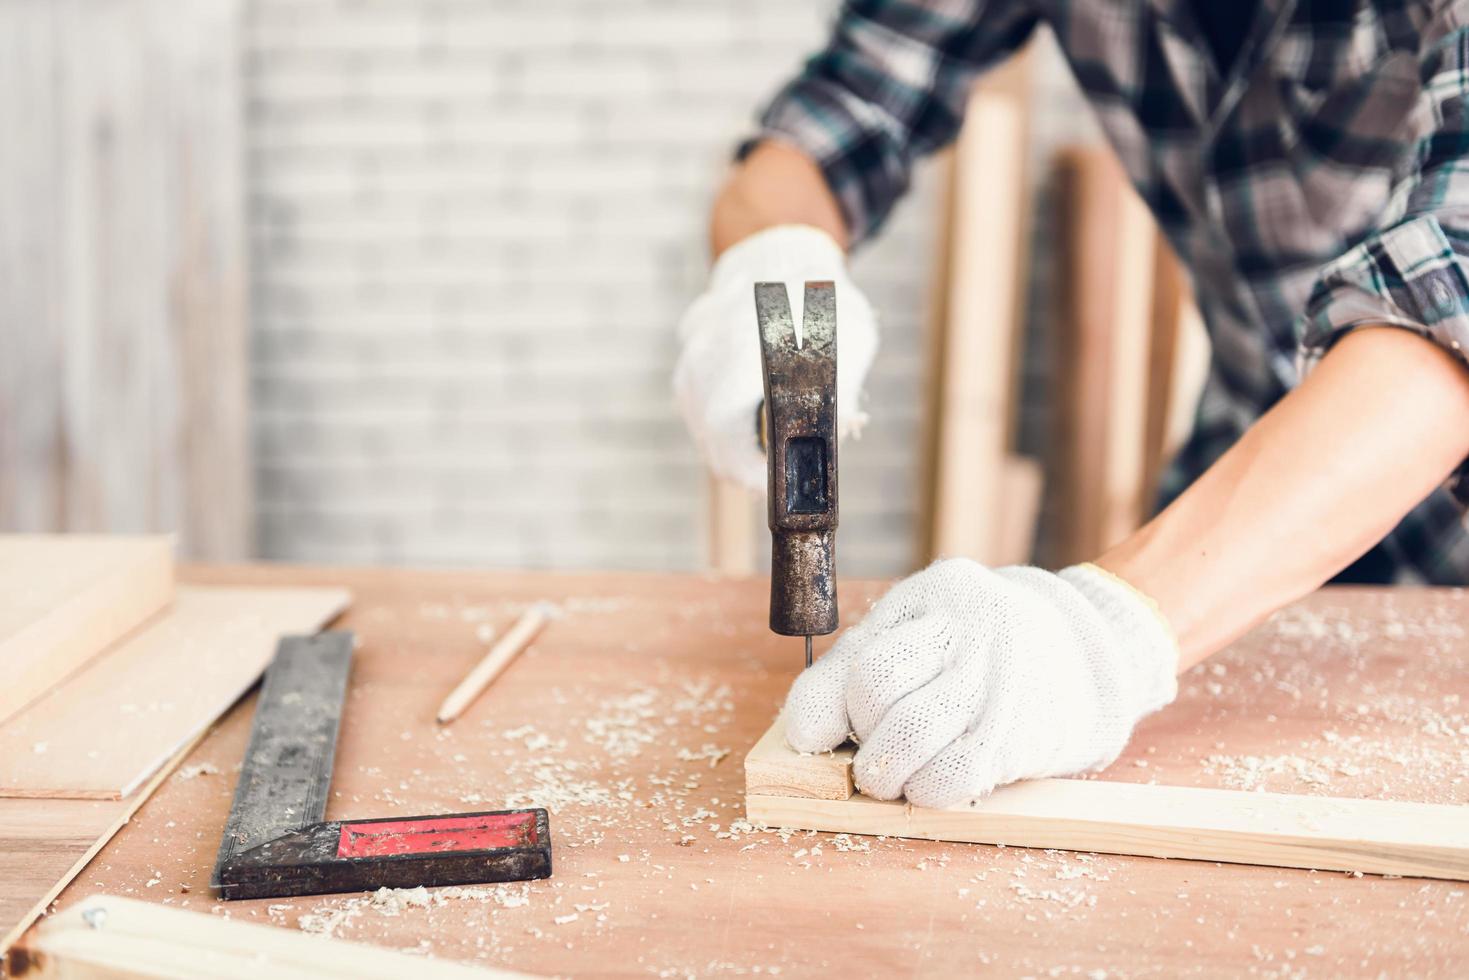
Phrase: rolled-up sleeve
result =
(1410, 275)
(889, 87)
(1414, 271)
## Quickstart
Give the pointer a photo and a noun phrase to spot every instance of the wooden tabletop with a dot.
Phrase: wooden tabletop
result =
(630, 715)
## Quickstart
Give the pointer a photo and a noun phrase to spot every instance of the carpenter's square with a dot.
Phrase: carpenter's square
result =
(276, 842)
(798, 428)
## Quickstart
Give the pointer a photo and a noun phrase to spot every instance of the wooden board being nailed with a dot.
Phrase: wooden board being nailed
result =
(784, 788)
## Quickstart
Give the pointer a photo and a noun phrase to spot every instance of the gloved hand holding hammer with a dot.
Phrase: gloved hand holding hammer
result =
(955, 650)
(717, 380)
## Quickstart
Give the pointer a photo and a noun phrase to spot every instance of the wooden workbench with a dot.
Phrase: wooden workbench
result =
(629, 717)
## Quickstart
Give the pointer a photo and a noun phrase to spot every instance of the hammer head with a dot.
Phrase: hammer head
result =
(799, 425)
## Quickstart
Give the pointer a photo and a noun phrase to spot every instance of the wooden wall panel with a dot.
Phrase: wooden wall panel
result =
(123, 315)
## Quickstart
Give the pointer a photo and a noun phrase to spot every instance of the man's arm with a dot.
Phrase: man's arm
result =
(963, 678)
(774, 185)
(1314, 484)
(836, 146)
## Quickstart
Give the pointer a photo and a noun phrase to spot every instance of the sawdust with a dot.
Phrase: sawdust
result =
(714, 753)
(195, 771)
(1251, 772)
(328, 919)
(621, 728)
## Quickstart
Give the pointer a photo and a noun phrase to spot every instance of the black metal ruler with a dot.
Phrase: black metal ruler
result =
(276, 841)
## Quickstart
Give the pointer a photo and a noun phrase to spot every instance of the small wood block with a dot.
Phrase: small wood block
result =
(773, 768)
(1427, 840)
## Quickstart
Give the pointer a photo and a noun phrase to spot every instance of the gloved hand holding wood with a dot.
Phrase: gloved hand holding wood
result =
(963, 678)
(718, 380)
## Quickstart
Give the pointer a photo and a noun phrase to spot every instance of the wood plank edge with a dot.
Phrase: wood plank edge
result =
(1426, 858)
(772, 765)
(141, 797)
(104, 935)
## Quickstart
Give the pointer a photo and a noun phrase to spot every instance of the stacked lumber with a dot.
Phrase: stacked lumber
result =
(109, 673)
(1130, 356)
(980, 499)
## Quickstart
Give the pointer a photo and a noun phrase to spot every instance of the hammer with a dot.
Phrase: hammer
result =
(798, 430)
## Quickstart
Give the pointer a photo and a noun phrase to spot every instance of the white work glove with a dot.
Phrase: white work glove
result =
(718, 380)
(963, 678)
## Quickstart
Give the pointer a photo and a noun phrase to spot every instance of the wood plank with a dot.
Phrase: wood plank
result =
(974, 349)
(731, 528)
(123, 278)
(1022, 482)
(106, 730)
(1170, 302)
(1191, 356)
(1424, 840)
(64, 599)
(1009, 83)
(106, 936)
(44, 844)
(1179, 365)
(1427, 840)
(1102, 349)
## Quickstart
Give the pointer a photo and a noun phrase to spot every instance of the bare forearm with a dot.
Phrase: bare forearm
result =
(1313, 485)
(774, 185)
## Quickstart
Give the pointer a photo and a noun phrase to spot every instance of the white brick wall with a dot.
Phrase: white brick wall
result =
(475, 224)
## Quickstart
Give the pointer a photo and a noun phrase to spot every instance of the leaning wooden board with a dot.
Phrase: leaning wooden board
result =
(617, 717)
(65, 599)
(784, 788)
(102, 733)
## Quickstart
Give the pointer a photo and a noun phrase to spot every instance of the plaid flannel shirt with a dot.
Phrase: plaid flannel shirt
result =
(1316, 184)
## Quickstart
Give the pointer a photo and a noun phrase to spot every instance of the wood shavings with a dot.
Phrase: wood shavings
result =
(621, 728)
(714, 753)
(1251, 772)
(328, 919)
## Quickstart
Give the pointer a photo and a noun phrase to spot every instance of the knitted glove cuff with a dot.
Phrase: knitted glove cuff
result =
(1145, 637)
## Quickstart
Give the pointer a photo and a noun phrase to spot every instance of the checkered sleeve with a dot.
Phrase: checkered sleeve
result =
(1411, 275)
(1414, 272)
(889, 87)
